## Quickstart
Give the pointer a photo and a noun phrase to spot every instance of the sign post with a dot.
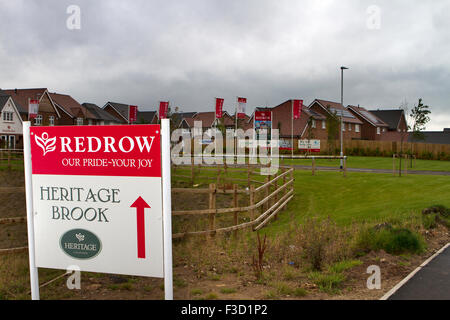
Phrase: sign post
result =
(89, 190)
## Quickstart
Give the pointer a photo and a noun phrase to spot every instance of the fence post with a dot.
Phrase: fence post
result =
(212, 205)
(393, 164)
(192, 170)
(248, 173)
(406, 164)
(252, 202)
(267, 193)
(313, 166)
(235, 205)
(345, 167)
(9, 159)
(284, 183)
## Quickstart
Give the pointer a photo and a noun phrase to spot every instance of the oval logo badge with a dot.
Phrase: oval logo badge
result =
(80, 244)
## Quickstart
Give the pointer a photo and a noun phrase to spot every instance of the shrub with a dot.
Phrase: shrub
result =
(329, 283)
(321, 242)
(344, 265)
(392, 240)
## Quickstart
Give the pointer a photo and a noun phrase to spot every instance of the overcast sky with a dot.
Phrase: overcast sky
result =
(141, 52)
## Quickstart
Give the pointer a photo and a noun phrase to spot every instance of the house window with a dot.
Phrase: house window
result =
(51, 121)
(38, 120)
(349, 127)
(356, 127)
(90, 122)
(343, 127)
(79, 121)
(8, 116)
(378, 130)
(313, 123)
(324, 124)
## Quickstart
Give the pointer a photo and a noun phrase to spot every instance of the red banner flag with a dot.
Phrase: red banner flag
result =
(33, 109)
(163, 109)
(263, 116)
(242, 103)
(132, 117)
(297, 109)
(219, 108)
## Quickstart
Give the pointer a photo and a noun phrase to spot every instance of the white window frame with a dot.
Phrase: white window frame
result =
(11, 142)
(8, 116)
(349, 127)
(343, 126)
(324, 124)
(38, 120)
(51, 121)
(79, 121)
(313, 124)
(378, 130)
(357, 128)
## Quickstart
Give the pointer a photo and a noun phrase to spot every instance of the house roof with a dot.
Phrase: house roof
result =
(178, 117)
(3, 99)
(368, 116)
(339, 109)
(207, 118)
(99, 114)
(391, 117)
(146, 116)
(21, 96)
(434, 137)
(69, 105)
(121, 108)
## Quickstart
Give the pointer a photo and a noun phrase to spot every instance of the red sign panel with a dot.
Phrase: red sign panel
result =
(163, 109)
(133, 114)
(297, 109)
(263, 116)
(127, 151)
(219, 108)
(242, 103)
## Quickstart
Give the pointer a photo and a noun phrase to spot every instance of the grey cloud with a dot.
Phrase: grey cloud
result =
(192, 51)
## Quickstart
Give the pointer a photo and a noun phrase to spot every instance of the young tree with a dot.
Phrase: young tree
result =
(419, 118)
(333, 125)
(403, 135)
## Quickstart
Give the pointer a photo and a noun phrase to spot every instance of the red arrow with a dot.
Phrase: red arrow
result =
(140, 206)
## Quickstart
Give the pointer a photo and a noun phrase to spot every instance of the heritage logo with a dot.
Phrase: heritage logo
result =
(80, 244)
(47, 144)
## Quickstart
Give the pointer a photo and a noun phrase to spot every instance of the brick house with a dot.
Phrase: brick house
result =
(98, 116)
(10, 123)
(373, 128)
(48, 113)
(351, 124)
(397, 126)
(209, 120)
(72, 113)
(311, 125)
(120, 111)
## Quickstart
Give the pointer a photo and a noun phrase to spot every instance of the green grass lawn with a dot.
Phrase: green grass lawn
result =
(362, 197)
(377, 163)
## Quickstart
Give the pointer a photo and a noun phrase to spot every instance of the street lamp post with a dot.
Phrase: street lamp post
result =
(342, 115)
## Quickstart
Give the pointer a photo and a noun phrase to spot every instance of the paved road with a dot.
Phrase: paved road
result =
(432, 282)
(434, 173)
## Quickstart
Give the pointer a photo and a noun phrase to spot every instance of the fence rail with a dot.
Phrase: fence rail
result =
(269, 198)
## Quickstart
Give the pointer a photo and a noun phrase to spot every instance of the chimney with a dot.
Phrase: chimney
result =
(15, 90)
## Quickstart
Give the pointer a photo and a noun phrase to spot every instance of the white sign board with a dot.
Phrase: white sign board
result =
(97, 199)
(309, 145)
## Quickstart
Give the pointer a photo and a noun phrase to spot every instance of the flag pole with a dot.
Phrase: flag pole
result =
(292, 127)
